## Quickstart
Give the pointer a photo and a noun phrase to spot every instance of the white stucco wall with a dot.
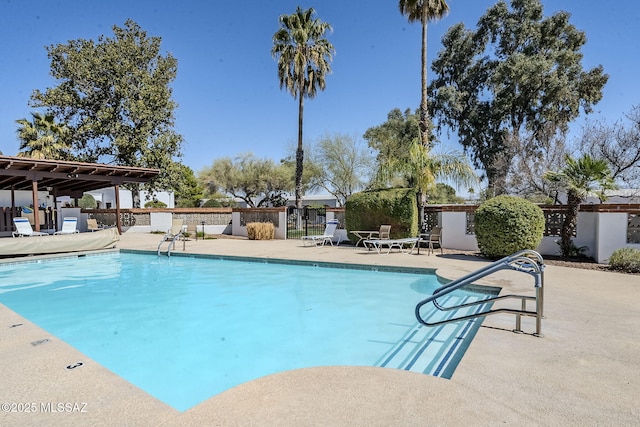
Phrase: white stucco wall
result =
(454, 226)
(611, 235)
(108, 196)
(25, 198)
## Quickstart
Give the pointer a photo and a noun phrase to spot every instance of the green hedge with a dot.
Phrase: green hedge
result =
(368, 210)
(507, 224)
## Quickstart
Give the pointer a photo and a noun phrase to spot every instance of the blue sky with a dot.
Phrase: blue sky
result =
(227, 87)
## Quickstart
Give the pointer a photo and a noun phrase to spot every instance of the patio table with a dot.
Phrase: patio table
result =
(363, 235)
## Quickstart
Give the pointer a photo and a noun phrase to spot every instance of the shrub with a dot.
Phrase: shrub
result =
(155, 204)
(87, 201)
(219, 203)
(261, 231)
(368, 210)
(625, 259)
(507, 224)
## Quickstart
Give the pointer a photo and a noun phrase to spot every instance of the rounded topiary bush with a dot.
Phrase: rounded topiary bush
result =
(507, 224)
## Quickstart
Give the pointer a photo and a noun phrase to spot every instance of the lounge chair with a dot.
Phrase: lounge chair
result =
(327, 236)
(435, 237)
(175, 233)
(23, 228)
(399, 244)
(69, 225)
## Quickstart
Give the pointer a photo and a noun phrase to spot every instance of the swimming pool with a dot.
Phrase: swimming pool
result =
(187, 328)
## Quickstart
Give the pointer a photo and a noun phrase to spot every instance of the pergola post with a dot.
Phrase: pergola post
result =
(117, 188)
(36, 208)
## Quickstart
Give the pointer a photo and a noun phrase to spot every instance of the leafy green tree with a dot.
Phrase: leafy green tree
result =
(424, 11)
(43, 138)
(423, 169)
(218, 200)
(403, 161)
(87, 201)
(444, 194)
(189, 193)
(392, 139)
(344, 164)
(304, 57)
(115, 97)
(518, 72)
(579, 178)
(250, 179)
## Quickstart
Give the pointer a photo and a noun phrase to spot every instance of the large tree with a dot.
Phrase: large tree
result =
(188, 192)
(525, 177)
(43, 138)
(259, 182)
(423, 11)
(392, 139)
(114, 95)
(304, 57)
(517, 73)
(619, 145)
(424, 168)
(579, 178)
(344, 164)
(402, 159)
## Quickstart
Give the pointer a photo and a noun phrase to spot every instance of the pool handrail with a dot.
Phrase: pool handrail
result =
(526, 261)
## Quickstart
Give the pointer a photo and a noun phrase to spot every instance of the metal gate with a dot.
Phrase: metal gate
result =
(305, 222)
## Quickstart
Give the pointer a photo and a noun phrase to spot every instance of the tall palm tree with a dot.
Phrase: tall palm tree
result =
(579, 178)
(43, 138)
(424, 11)
(304, 58)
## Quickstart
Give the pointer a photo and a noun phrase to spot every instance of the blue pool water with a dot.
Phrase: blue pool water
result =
(184, 329)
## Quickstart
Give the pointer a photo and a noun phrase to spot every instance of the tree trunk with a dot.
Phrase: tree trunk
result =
(299, 152)
(424, 112)
(569, 224)
(496, 183)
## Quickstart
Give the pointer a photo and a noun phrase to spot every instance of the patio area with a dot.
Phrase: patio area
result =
(584, 371)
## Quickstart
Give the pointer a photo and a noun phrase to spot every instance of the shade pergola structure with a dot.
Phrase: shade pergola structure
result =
(63, 178)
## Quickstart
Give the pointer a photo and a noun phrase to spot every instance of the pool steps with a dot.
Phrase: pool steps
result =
(422, 349)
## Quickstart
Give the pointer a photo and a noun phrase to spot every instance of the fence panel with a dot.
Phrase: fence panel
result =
(305, 222)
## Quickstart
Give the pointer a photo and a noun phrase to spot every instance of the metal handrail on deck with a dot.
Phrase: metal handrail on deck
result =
(172, 242)
(527, 261)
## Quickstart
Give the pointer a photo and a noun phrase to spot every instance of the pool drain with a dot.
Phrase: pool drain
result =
(74, 365)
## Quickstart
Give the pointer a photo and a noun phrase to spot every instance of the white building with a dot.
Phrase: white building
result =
(106, 198)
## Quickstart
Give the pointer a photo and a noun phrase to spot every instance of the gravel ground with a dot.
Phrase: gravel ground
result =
(584, 263)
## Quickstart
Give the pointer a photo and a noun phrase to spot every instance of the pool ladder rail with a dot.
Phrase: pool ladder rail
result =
(527, 261)
(172, 238)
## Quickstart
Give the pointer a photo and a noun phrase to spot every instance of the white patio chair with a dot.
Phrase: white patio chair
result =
(69, 225)
(327, 236)
(23, 228)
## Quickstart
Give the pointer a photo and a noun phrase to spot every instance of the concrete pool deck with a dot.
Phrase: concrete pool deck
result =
(584, 371)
